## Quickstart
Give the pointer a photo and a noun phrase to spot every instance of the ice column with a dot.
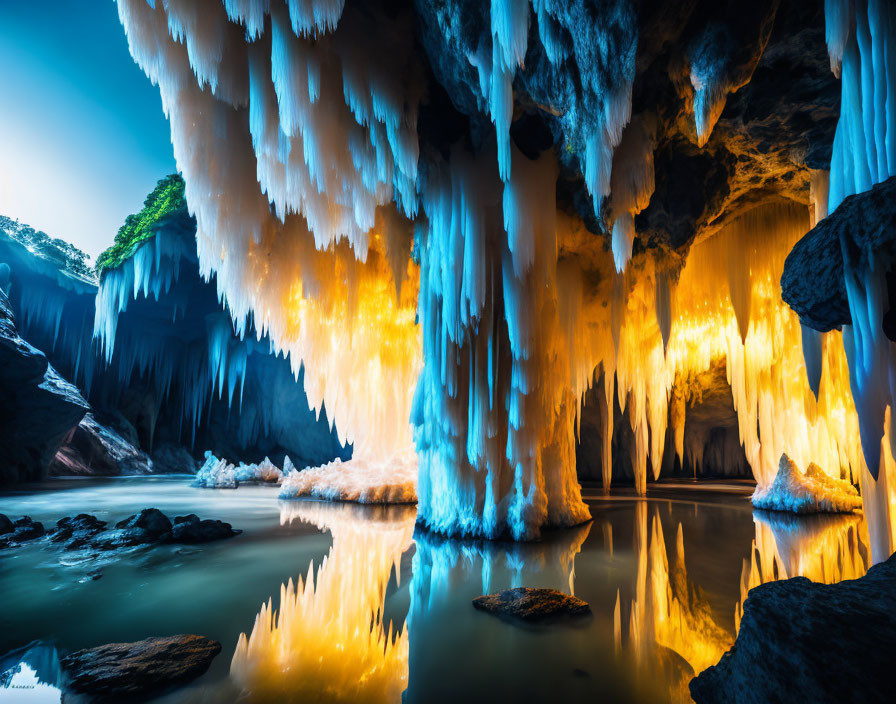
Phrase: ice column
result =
(496, 401)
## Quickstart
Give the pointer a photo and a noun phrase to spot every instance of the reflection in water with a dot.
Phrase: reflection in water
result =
(824, 548)
(31, 674)
(671, 627)
(489, 659)
(328, 641)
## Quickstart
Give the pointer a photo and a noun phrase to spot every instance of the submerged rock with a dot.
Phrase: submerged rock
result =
(151, 520)
(122, 670)
(78, 531)
(803, 641)
(190, 529)
(151, 526)
(532, 605)
(19, 531)
(812, 492)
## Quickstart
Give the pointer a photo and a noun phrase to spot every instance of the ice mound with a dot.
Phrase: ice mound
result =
(367, 481)
(220, 474)
(812, 492)
(264, 472)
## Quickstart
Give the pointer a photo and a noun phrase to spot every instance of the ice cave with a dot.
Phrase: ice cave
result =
(420, 351)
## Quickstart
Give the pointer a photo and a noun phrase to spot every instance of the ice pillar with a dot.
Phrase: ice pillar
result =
(496, 402)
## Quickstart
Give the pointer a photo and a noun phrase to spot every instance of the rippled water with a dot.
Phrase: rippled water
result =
(371, 611)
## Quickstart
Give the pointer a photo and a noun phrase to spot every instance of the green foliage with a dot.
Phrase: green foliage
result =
(166, 198)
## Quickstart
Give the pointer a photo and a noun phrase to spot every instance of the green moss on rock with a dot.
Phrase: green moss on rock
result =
(166, 198)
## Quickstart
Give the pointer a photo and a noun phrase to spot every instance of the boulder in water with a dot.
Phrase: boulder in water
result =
(122, 671)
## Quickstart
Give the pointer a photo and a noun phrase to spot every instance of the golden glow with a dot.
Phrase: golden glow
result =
(353, 326)
(328, 642)
(668, 610)
(725, 307)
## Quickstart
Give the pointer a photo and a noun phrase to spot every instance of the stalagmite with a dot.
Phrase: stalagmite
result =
(811, 491)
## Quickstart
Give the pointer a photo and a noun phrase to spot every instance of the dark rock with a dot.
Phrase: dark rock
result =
(812, 282)
(173, 459)
(122, 538)
(189, 518)
(23, 530)
(532, 605)
(151, 520)
(6, 525)
(120, 671)
(39, 407)
(193, 530)
(803, 641)
(94, 449)
(78, 531)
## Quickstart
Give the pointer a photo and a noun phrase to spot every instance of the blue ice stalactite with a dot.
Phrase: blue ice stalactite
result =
(495, 408)
(861, 36)
(156, 320)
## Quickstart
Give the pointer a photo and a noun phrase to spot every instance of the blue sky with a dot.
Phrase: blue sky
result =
(83, 137)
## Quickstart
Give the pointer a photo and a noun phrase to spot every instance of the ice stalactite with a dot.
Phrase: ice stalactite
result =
(496, 402)
(161, 328)
(329, 633)
(730, 314)
(293, 144)
(861, 36)
(631, 183)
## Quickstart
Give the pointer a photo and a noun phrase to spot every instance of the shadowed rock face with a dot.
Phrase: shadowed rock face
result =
(803, 641)
(93, 448)
(118, 671)
(812, 282)
(39, 407)
(532, 605)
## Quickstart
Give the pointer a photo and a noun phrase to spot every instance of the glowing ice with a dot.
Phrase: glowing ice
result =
(809, 492)
(366, 481)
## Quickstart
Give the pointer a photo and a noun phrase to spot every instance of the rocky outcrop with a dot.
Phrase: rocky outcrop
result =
(124, 671)
(803, 641)
(180, 379)
(95, 449)
(532, 605)
(813, 281)
(85, 531)
(39, 407)
(13, 533)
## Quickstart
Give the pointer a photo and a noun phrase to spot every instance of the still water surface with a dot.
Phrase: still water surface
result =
(338, 602)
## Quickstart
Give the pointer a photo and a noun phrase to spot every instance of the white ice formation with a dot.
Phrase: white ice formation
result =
(296, 134)
(216, 474)
(365, 481)
(220, 474)
(810, 492)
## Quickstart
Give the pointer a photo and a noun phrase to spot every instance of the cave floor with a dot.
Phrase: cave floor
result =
(657, 615)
